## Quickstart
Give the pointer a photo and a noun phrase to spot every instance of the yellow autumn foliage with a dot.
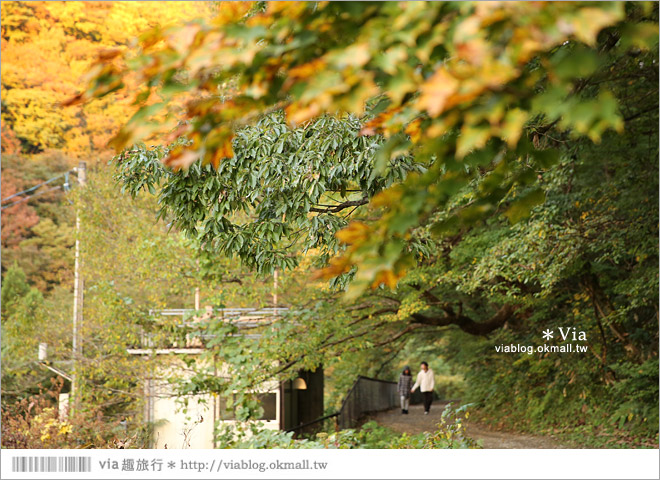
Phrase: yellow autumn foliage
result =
(47, 50)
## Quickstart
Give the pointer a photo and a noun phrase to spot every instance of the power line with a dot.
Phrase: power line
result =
(65, 174)
(30, 197)
(64, 187)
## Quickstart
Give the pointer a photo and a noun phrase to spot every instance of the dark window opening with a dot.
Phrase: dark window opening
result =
(224, 411)
(268, 402)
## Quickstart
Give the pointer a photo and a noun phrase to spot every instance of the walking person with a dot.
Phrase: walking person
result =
(403, 387)
(426, 383)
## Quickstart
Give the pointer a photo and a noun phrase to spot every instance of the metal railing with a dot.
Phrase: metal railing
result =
(254, 312)
(368, 395)
(247, 320)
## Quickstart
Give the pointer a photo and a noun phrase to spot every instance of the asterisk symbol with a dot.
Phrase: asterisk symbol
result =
(171, 465)
(547, 334)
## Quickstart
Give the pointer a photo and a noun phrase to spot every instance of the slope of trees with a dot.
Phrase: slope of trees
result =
(37, 233)
(47, 48)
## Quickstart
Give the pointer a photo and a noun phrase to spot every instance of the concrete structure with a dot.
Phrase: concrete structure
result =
(188, 422)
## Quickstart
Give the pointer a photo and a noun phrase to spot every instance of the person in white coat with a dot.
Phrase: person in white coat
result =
(426, 383)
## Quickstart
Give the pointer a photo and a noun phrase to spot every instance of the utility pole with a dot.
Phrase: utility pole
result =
(275, 292)
(81, 170)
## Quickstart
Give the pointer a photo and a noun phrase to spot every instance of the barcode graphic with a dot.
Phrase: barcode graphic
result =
(51, 464)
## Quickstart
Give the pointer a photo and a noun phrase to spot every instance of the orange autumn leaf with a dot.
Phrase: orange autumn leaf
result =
(232, 12)
(303, 72)
(436, 91)
(179, 158)
(355, 232)
(336, 267)
(182, 39)
(225, 151)
(387, 277)
(375, 125)
(286, 9)
(108, 54)
(75, 100)
(414, 130)
(297, 113)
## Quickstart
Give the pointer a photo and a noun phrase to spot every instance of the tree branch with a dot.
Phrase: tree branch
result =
(403, 332)
(341, 206)
(654, 108)
(435, 301)
(466, 324)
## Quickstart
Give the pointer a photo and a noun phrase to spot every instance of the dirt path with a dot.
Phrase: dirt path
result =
(416, 422)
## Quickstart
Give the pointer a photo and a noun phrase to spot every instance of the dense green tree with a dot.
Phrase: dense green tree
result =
(14, 287)
(287, 191)
(23, 319)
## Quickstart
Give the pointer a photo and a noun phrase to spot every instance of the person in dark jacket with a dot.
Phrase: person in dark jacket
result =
(404, 387)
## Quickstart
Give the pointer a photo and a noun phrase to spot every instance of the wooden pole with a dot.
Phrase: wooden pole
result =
(275, 292)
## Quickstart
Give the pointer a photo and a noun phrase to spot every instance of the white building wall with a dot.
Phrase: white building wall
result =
(179, 428)
(177, 425)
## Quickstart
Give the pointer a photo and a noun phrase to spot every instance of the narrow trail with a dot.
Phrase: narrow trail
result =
(416, 422)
